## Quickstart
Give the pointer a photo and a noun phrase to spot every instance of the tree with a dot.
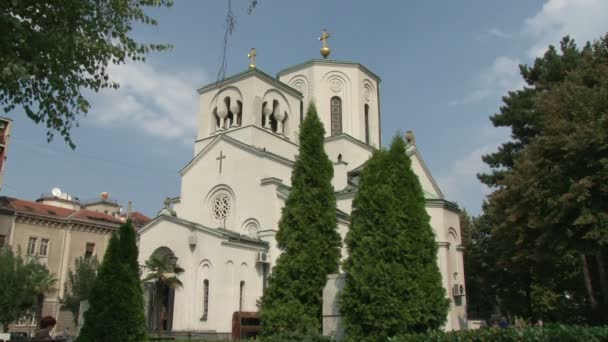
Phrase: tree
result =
(80, 283)
(164, 273)
(307, 237)
(52, 51)
(41, 281)
(116, 301)
(393, 283)
(22, 286)
(555, 195)
(15, 299)
(519, 112)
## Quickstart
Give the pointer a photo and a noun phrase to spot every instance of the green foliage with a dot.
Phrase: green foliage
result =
(294, 337)
(393, 284)
(549, 333)
(80, 283)
(51, 51)
(21, 285)
(548, 214)
(518, 111)
(116, 301)
(307, 237)
(480, 265)
(164, 273)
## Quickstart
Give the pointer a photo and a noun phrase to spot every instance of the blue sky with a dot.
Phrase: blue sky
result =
(444, 67)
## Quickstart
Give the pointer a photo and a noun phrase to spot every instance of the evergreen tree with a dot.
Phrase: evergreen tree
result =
(555, 197)
(307, 237)
(80, 283)
(116, 301)
(135, 319)
(519, 113)
(393, 282)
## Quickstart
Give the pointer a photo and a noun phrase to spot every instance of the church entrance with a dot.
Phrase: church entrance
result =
(159, 297)
(159, 308)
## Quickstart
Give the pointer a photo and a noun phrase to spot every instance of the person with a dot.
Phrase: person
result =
(503, 323)
(47, 323)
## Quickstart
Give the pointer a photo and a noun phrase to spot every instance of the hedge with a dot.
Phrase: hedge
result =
(556, 332)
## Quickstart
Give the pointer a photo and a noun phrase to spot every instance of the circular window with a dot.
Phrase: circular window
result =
(252, 230)
(220, 207)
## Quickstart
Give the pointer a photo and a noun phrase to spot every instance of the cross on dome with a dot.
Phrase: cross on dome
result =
(251, 55)
(325, 49)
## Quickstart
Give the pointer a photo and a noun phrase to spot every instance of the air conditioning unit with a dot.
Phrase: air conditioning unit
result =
(262, 258)
(458, 290)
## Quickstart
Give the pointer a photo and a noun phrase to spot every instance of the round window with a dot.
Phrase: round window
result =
(252, 230)
(220, 207)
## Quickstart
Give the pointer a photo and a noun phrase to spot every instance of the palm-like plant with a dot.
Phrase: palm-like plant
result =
(164, 273)
(41, 282)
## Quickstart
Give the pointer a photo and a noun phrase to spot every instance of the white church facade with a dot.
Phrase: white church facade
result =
(222, 227)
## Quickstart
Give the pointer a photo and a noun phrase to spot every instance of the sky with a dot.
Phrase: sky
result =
(444, 67)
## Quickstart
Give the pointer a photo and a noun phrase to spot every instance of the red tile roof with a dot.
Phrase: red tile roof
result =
(84, 214)
(38, 208)
(22, 206)
(139, 219)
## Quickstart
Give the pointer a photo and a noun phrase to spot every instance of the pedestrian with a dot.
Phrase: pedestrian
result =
(47, 324)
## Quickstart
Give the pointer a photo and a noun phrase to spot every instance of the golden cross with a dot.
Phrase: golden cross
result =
(252, 55)
(325, 50)
(324, 37)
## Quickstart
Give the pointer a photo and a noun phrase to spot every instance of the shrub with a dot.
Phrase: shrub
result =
(562, 333)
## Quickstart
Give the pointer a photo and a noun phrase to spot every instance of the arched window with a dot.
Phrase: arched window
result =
(239, 115)
(217, 119)
(273, 120)
(367, 123)
(205, 300)
(230, 117)
(241, 288)
(336, 116)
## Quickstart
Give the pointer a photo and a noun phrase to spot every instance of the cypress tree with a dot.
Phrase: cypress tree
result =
(134, 318)
(307, 237)
(393, 282)
(116, 301)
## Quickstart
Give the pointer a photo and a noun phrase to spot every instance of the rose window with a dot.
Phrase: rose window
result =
(220, 207)
(252, 230)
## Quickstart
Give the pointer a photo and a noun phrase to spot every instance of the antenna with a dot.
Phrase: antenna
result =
(56, 192)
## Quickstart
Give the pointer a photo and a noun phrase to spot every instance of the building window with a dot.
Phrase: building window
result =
(220, 207)
(2, 240)
(241, 288)
(205, 300)
(89, 250)
(44, 247)
(31, 245)
(252, 229)
(367, 123)
(336, 116)
(301, 111)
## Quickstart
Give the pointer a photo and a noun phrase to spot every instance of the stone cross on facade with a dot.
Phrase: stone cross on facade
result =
(221, 158)
(251, 56)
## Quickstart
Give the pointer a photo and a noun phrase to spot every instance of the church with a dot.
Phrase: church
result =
(221, 228)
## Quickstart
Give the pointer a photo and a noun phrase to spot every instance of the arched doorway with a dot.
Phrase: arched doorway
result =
(159, 298)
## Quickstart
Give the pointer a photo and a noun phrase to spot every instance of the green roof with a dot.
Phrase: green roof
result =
(328, 61)
(247, 73)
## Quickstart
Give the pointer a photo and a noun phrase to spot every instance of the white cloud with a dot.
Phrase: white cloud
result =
(161, 103)
(584, 20)
(459, 181)
(502, 76)
(496, 32)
